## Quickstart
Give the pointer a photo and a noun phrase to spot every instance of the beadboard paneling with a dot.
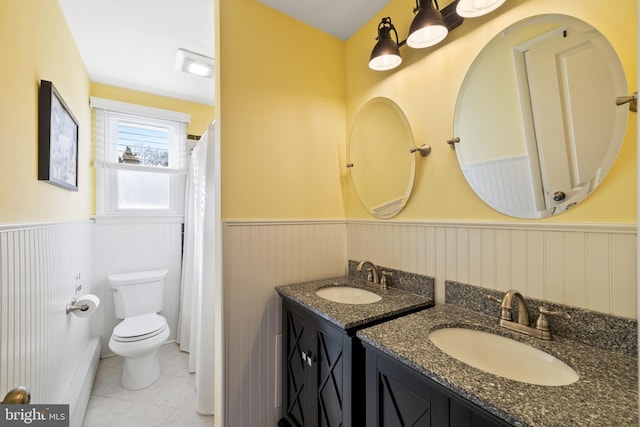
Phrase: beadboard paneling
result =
(505, 182)
(40, 345)
(592, 267)
(587, 266)
(257, 257)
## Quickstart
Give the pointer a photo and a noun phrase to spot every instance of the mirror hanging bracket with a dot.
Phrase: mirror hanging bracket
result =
(424, 150)
(453, 141)
(632, 100)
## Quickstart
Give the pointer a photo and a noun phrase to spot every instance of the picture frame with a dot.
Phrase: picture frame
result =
(57, 139)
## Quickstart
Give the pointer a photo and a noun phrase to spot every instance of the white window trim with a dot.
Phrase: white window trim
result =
(106, 205)
(137, 219)
(140, 110)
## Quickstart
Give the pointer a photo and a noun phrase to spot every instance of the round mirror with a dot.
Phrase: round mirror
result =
(382, 168)
(537, 118)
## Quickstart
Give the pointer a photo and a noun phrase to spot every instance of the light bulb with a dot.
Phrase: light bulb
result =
(475, 8)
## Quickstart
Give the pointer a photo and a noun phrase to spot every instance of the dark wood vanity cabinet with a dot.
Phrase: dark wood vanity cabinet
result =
(400, 396)
(323, 372)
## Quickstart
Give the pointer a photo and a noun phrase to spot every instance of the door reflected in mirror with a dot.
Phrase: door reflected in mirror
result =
(382, 167)
(536, 116)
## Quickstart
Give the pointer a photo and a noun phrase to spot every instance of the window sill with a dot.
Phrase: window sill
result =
(137, 219)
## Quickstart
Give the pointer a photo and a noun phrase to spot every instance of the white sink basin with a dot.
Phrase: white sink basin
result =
(503, 356)
(348, 295)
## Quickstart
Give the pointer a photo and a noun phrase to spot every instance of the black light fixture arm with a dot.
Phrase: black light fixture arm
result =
(424, 3)
(384, 29)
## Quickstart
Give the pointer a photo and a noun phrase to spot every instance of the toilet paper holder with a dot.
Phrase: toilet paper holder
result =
(73, 307)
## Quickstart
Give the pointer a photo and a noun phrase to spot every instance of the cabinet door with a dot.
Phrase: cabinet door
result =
(396, 396)
(450, 409)
(323, 372)
(400, 396)
(329, 375)
(294, 360)
(463, 415)
(317, 379)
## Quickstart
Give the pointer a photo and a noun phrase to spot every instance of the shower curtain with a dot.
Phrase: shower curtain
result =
(195, 323)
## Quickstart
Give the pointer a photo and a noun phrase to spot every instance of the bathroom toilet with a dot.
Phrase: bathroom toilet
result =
(138, 297)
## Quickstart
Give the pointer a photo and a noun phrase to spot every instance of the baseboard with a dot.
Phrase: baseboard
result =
(80, 388)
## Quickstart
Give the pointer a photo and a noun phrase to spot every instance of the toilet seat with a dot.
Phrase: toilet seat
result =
(138, 328)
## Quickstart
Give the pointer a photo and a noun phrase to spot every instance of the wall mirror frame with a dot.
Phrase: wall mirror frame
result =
(381, 164)
(536, 116)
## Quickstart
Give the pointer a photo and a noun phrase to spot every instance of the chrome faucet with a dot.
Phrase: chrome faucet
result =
(374, 276)
(541, 329)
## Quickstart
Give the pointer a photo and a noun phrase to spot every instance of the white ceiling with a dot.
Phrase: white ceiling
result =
(133, 43)
(340, 18)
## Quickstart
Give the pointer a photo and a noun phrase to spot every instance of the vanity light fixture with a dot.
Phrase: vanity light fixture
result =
(429, 27)
(386, 53)
(194, 63)
(475, 8)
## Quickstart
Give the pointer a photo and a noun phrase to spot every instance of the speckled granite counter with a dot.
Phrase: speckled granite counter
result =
(605, 395)
(348, 316)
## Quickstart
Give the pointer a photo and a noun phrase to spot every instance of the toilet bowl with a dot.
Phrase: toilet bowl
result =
(138, 339)
(138, 297)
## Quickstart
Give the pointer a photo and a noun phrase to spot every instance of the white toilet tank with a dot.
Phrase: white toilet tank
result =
(138, 293)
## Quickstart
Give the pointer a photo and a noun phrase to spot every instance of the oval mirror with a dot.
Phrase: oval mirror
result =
(382, 168)
(536, 116)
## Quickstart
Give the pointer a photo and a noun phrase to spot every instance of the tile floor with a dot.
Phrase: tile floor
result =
(170, 401)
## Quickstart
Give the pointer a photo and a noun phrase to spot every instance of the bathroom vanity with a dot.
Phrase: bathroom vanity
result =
(407, 372)
(323, 360)
(383, 363)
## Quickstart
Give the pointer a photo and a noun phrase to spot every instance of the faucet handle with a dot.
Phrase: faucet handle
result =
(505, 312)
(542, 324)
(493, 298)
(383, 278)
(370, 275)
(562, 314)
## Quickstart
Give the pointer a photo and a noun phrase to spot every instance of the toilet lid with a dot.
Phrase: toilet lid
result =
(140, 327)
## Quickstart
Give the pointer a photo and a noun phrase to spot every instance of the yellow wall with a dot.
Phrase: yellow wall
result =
(282, 117)
(289, 94)
(426, 84)
(201, 115)
(35, 36)
(35, 44)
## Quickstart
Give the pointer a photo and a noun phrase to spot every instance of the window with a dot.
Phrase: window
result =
(140, 160)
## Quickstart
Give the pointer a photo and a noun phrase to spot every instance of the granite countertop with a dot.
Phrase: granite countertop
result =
(349, 316)
(605, 395)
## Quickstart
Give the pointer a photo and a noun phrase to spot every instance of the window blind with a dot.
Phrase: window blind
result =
(127, 138)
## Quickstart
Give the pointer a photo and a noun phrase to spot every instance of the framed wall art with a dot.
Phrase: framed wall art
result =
(57, 139)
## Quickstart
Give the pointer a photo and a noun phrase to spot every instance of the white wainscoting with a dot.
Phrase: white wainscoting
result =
(593, 267)
(257, 257)
(586, 266)
(129, 247)
(42, 347)
(505, 182)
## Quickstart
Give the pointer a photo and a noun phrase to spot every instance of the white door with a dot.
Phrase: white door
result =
(570, 88)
